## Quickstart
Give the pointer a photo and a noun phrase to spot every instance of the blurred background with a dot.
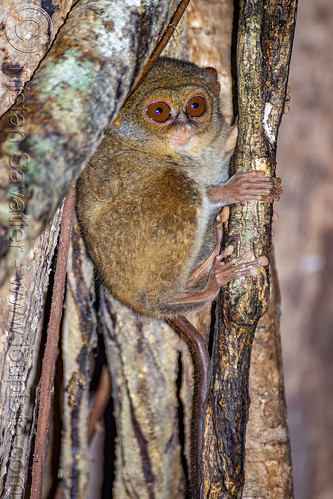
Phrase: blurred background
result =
(304, 246)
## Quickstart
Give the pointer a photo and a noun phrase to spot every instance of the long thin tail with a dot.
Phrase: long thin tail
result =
(201, 363)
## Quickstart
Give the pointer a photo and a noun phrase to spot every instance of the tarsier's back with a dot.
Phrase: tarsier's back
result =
(140, 233)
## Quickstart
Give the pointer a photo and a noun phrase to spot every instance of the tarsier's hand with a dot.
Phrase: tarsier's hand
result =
(252, 185)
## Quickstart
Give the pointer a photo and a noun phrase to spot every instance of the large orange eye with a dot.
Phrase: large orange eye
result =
(158, 111)
(196, 106)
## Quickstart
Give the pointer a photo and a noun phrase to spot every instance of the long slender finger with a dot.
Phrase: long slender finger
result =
(261, 179)
(235, 270)
(243, 261)
(245, 257)
(223, 278)
(227, 252)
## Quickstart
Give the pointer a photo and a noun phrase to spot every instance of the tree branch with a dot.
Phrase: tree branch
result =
(243, 302)
(78, 88)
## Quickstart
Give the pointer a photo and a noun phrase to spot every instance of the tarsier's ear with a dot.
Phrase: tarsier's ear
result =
(213, 73)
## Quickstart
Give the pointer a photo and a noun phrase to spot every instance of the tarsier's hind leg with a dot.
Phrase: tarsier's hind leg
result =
(205, 268)
(221, 273)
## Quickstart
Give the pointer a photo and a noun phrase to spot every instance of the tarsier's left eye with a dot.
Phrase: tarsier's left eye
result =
(196, 106)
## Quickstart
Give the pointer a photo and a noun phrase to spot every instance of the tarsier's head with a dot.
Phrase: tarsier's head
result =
(175, 110)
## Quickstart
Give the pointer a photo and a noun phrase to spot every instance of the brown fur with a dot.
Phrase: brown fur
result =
(142, 205)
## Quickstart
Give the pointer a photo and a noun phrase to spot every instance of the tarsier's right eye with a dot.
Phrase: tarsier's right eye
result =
(158, 111)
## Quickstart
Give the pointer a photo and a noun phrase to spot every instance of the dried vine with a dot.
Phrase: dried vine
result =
(50, 354)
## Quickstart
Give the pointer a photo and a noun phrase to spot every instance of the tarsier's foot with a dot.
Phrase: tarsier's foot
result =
(221, 273)
(241, 266)
(206, 267)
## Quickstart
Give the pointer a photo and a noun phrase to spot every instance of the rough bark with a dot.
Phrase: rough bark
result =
(78, 340)
(59, 119)
(267, 459)
(22, 304)
(265, 34)
(27, 31)
(142, 356)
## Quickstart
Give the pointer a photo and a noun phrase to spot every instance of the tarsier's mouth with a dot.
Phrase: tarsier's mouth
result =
(180, 141)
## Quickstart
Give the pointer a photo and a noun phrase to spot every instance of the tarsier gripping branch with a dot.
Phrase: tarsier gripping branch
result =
(155, 188)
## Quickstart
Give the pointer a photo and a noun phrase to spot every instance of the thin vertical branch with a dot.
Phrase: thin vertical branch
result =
(49, 359)
(265, 35)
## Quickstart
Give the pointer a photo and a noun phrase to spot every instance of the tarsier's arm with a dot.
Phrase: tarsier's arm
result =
(253, 185)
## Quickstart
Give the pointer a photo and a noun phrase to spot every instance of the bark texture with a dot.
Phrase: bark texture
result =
(268, 470)
(265, 34)
(78, 340)
(142, 356)
(78, 89)
(21, 323)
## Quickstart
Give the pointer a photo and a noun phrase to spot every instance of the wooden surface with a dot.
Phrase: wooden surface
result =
(78, 88)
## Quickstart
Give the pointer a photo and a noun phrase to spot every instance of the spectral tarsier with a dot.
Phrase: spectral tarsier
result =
(149, 200)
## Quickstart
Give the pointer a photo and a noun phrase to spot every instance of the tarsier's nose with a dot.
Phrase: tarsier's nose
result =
(182, 131)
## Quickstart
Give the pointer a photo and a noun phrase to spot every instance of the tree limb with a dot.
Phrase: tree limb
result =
(78, 88)
(243, 302)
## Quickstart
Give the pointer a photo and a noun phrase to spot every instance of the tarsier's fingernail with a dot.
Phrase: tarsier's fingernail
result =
(263, 260)
(248, 254)
(254, 271)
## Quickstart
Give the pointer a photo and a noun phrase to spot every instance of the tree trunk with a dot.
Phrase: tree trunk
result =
(148, 402)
